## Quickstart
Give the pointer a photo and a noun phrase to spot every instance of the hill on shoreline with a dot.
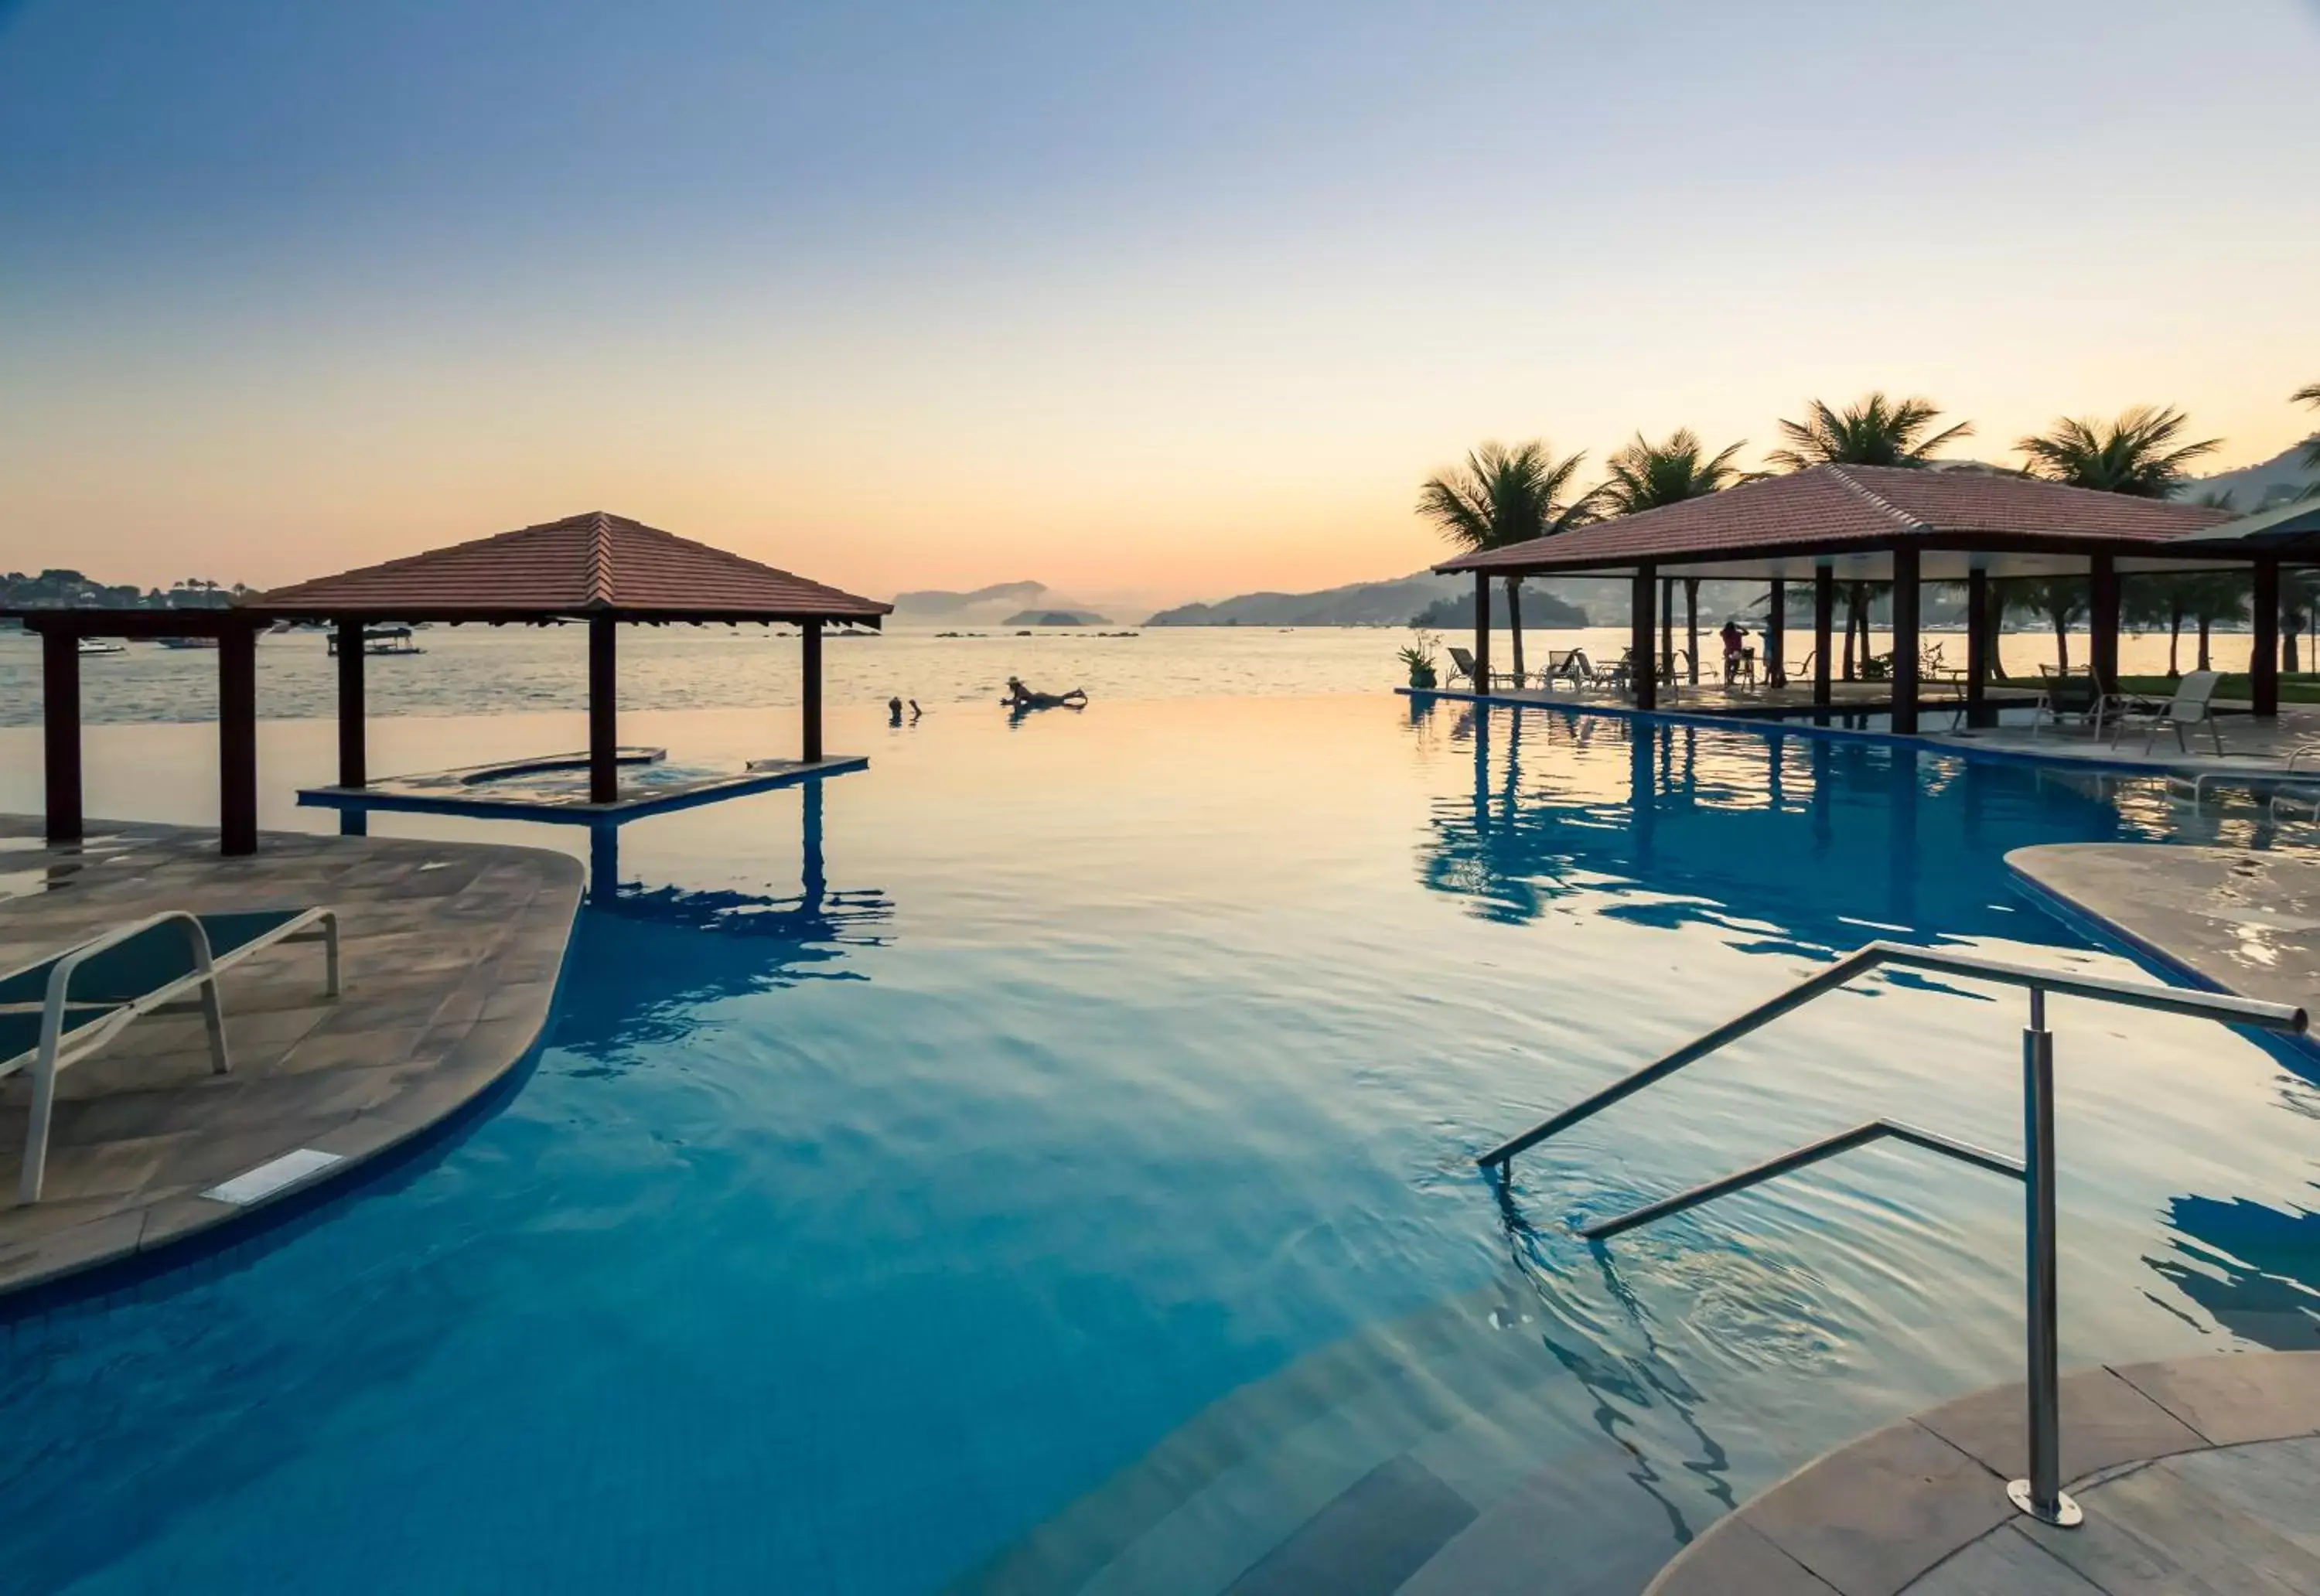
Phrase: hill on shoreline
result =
(1396, 603)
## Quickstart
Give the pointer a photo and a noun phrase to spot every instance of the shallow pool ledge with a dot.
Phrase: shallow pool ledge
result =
(2190, 1471)
(2229, 920)
(450, 952)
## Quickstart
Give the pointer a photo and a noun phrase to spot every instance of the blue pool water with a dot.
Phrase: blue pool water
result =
(914, 1153)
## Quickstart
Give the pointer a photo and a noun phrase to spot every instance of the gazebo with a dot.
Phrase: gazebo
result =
(1870, 523)
(599, 568)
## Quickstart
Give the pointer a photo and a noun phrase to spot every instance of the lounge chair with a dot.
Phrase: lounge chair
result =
(2192, 705)
(1567, 665)
(1462, 664)
(2076, 696)
(61, 1009)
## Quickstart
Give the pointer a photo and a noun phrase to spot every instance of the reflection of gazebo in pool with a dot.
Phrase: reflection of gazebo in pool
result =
(598, 568)
(679, 944)
(1795, 843)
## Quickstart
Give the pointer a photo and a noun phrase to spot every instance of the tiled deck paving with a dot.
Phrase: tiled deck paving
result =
(450, 955)
(2197, 1475)
(2241, 921)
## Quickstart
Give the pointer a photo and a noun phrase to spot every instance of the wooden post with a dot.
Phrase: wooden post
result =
(2102, 621)
(1481, 683)
(1978, 642)
(1642, 640)
(603, 709)
(238, 738)
(2263, 660)
(1906, 590)
(1667, 629)
(352, 767)
(810, 639)
(1824, 623)
(61, 730)
(1776, 636)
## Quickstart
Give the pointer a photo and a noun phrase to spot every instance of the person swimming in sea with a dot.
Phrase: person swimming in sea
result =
(1020, 697)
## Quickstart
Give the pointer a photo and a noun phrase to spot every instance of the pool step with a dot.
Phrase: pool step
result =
(1406, 1457)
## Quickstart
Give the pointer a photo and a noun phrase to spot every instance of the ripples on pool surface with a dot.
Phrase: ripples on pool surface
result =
(913, 1157)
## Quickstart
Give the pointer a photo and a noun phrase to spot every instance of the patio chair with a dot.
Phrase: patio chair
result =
(1567, 665)
(2192, 705)
(58, 1011)
(2076, 696)
(1462, 664)
(1617, 673)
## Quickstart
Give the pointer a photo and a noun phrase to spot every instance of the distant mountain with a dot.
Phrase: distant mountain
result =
(1363, 604)
(935, 603)
(1056, 618)
(2275, 481)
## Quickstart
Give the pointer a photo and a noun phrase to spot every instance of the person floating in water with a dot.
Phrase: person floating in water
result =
(1020, 697)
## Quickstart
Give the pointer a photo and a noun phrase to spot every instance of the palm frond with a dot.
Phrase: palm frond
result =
(2141, 454)
(1873, 430)
(1504, 494)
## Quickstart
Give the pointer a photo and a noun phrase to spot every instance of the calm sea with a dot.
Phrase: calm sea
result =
(486, 670)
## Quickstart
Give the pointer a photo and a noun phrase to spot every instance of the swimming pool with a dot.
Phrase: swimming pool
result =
(915, 1154)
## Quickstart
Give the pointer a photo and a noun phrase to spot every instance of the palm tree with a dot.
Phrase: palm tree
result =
(2140, 454)
(2060, 599)
(2215, 598)
(1647, 476)
(1874, 431)
(2310, 395)
(1504, 495)
(2148, 601)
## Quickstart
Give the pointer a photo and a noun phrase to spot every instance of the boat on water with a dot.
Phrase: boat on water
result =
(101, 646)
(384, 639)
(187, 642)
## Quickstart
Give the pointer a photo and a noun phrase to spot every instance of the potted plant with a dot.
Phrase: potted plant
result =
(1418, 655)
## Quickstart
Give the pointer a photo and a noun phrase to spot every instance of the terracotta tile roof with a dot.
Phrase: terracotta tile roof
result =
(581, 564)
(1839, 504)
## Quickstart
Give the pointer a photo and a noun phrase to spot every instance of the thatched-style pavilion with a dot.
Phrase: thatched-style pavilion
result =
(1866, 523)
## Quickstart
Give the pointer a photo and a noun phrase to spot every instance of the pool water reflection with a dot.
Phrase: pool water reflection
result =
(916, 1151)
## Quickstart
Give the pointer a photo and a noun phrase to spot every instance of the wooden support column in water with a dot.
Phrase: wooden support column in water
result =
(809, 694)
(238, 738)
(353, 767)
(1824, 623)
(2102, 621)
(61, 730)
(1776, 635)
(1906, 589)
(603, 709)
(1481, 682)
(1643, 639)
(1976, 647)
(2263, 660)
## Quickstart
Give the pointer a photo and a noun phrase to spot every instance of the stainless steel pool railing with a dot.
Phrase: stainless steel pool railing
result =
(2039, 1495)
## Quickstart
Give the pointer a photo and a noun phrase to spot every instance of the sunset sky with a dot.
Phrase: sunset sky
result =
(1164, 301)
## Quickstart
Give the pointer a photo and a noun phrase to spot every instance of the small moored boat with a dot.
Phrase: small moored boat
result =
(384, 639)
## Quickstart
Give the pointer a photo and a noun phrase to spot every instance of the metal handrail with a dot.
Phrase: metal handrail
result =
(2040, 1494)
(2166, 999)
(1812, 1152)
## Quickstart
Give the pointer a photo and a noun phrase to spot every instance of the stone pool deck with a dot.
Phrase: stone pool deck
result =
(450, 956)
(2197, 1475)
(2241, 921)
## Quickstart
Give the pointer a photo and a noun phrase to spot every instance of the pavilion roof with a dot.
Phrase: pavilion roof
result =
(2296, 523)
(590, 564)
(1836, 507)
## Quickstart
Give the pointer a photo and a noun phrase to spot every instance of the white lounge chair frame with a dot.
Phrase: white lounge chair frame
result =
(2192, 705)
(58, 1048)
